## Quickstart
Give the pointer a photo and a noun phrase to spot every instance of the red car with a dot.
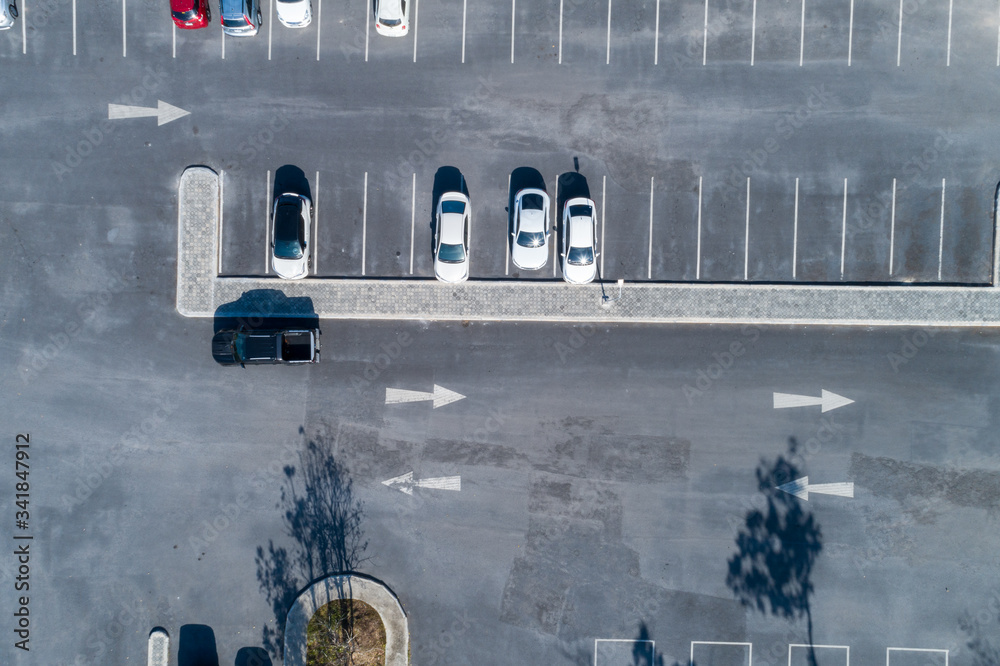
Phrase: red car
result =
(190, 14)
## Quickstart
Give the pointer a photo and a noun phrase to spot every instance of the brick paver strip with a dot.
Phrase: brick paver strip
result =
(202, 293)
(373, 593)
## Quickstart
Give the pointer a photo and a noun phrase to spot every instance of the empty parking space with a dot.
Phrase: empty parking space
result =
(201, 44)
(99, 29)
(724, 228)
(974, 33)
(536, 33)
(389, 217)
(487, 32)
(819, 655)
(777, 36)
(632, 43)
(675, 224)
(828, 31)
(439, 37)
(721, 653)
(869, 230)
(728, 31)
(584, 32)
(679, 33)
(148, 28)
(917, 230)
(342, 31)
(924, 34)
(772, 229)
(967, 241)
(626, 236)
(246, 201)
(341, 220)
(821, 229)
(916, 657)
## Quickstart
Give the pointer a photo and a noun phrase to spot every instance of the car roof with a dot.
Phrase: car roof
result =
(581, 232)
(452, 228)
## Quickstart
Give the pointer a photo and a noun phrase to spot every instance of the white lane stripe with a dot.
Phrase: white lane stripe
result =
(74, 32)
(173, 33)
(697, 265)
(704, 41)
(413, 217)
(24, 27)
(941, 232)
(656, 43)
(223, 44)
(124, 40)
(368, 18)
(746, 238)
(416, 24)
(222, 208)
(554, 213)
(267, 224)
(513, 15)
(440, 483)
(951, 5)
(560, 32)
(364, 225)
(604, 191)
(899, 37)
(753, 33)
(838, 489)
(892, 227)
(998, 41)
(802, 34)
(319, 26)
(850, 36)
(795, 231)
(843, 233)
(607, 58)
(315, 238)
(270, 22)
(649, 260)
(464, 7)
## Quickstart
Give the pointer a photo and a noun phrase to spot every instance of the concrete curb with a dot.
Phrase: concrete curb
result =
(373, 593)
(202, 292)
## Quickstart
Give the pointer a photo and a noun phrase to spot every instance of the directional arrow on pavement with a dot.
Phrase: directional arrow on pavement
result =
(406, 484)
(163, 112)
(801, 488)
(828, 400)
(441, 396)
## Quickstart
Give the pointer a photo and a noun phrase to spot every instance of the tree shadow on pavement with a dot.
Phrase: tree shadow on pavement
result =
(777, 547)
(323, 518)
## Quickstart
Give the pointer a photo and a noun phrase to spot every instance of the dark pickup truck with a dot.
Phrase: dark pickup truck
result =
(266, 347)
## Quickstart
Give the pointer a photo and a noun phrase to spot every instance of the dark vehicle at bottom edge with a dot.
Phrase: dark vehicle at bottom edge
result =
(266, 347)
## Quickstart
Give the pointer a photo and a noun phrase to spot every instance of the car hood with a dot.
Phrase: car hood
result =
(579, 274)
(290, 268)
(530, 258)
(293, 12)
(451, 272)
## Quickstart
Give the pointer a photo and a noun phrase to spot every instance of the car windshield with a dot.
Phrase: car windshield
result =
(531, 202)
(451, 254)
(288, 232)
(580, 256)
(452, 207)
(531, 239)
(579, 211)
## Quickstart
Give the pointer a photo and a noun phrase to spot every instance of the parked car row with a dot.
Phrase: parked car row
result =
(292, 214)
(243, 18)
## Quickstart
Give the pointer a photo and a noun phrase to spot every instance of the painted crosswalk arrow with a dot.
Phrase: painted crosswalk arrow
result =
(406, 484)
(441, 396)
(801, 488)
(164, 113)
(827, 400)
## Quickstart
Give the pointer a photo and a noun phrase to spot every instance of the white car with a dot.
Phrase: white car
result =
(451, 238)
(294, 13)
(290, 223)
(392, 17)
(579, 234)
(530, 249)
(8, 12)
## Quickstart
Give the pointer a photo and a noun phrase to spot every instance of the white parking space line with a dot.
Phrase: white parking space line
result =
(319, 26)
(24, 29)
(173, 32)
(604, 191)
(368, 17)
(704, 41)
(998, 42)
(124, 40)
(850, 35)
(364, 225)
(802, 34)
(413, 217)
(270, 22)
(753, 32)
(560, 30)
(899, 38)
(951, 6)
(649, 260)
(513, 14)
(697, 263)
(222, 198)
(656, 33)
(843, 233)
(416, 23)
(267, 224)
(892, 227)
(464, 7)
(554, 218)
(315, 238)
(941, 232)
(746, 237)
(507, 236)
(607, 57)
(795, 230)
(74, 31)
(223, 44)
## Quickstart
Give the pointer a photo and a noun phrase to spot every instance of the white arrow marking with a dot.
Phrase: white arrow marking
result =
(406, 484)
(163, 112)
(441, 396)
(801, 488)
(828, 400)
